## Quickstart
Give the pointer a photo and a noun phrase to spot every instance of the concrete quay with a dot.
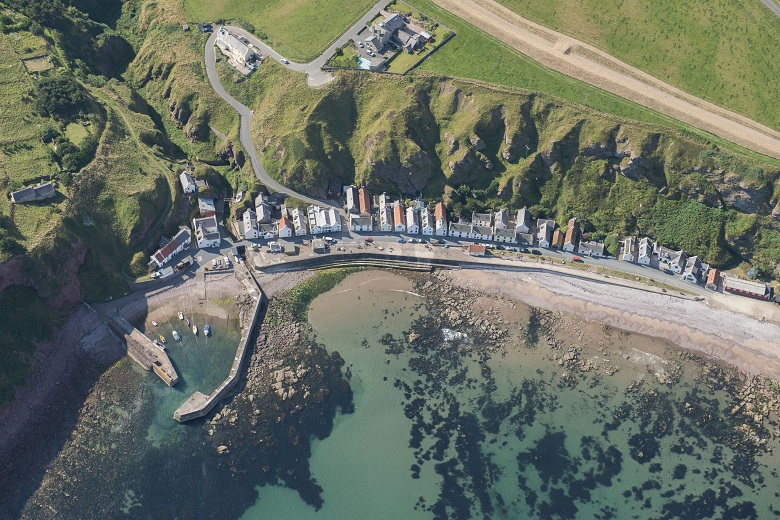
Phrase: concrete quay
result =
(200, 404)
(145, 352)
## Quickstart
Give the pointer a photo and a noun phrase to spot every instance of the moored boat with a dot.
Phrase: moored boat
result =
(162, 338)
(154, 323)
(207, 330)
(187, 321)
(176, 336)
(195, 329)
(159, 345)
(181, 315)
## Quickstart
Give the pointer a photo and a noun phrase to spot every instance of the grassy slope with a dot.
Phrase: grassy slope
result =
(720, 50)
(298, 29)
(474, 55)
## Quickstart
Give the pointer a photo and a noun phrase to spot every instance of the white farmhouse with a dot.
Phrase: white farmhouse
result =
(206, 231)
(171, 249)
(412, 221)
(187, 182)
(234, 48)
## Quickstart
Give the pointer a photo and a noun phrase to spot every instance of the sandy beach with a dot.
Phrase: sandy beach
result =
(712, 330)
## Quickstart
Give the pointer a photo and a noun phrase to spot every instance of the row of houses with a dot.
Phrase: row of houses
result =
(393, 216)
(690, 268)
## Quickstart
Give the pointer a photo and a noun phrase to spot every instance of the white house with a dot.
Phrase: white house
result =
(482, 219)
(250, 224)
(263, 212)
(645, 256)
(206, 231)
(505, 235)
(501, 219)
(677, 261)
(234, 48)
(174, 246)
(426, 222)
(361, 223)
(299, 222)
(187, 182)
(266, 231)
(694, 268)
(481, 232)
(440, 214)
(399, 219)
(627, 252)
(323, 220)
(459, 230)
(412, 221)
(353, 206)
(284, 228)
(385, 219)
(590, 249)
(523, 221)
(544, 231)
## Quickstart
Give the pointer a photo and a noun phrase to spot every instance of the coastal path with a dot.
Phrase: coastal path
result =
(595, 67)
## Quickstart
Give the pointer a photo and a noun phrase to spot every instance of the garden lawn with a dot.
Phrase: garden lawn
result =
(298, 29)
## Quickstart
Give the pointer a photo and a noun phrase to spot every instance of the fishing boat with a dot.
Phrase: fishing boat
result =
(207, 330)
(176, 336)
(187, 321)
(154, 323)
(181, 315)
(162, 339)
(195, 329)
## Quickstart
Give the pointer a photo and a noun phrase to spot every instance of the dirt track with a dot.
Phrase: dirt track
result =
(587, 63)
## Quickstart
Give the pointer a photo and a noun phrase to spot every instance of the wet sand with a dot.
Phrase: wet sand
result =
(748, 344)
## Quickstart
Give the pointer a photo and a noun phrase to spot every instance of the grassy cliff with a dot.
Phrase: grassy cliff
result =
(486, 147)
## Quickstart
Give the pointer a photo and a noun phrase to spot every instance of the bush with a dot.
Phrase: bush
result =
(60, 97)
(138, 265)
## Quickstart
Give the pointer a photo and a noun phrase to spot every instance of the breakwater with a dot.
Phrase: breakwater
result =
(144, 352)
(200, 404)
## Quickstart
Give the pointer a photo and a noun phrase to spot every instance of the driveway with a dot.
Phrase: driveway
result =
(245, 130)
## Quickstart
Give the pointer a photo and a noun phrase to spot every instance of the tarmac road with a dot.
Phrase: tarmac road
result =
(772, 6)
(245, 130)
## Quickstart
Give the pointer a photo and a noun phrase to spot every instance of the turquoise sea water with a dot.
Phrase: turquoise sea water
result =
(436, 434)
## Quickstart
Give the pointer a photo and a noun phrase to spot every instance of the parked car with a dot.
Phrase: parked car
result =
(285, 61)
(577, 259)
(401, 240)
(360, 44)
(536, 252)
(370, 53)
(213, 263)
(155, 274)
(525, 250)
(369, 240)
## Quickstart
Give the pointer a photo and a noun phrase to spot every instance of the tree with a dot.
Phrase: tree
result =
(60, 97)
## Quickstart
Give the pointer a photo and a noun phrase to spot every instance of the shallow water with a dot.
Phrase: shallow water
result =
(516, 435)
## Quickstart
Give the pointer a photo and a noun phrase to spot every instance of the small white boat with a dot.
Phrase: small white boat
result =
(207, 330)
(187, 321)
(176, 336)
(159, 345)
(154, 323)
(195, 329)
(181, 316)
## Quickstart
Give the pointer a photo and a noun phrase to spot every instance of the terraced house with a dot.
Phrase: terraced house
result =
(174, 246)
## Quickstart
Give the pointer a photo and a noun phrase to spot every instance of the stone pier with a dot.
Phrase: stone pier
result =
(200, 404)
(145, 352)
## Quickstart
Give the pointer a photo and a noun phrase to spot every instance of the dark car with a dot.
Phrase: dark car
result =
(536, 252)
(440, 241)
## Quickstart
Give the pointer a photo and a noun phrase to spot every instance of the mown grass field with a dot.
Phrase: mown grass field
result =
(475, 55)
(720, 50)
(298, 29)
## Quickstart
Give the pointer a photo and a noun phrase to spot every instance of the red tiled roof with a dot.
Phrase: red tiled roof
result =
(398, 214)
(477, 248)
(571, 232)
(441, 211)
(285, 223)
(364, 200)
(712, 276)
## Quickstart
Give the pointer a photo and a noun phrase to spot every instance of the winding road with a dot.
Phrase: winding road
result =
(245, 130)
(771, 6)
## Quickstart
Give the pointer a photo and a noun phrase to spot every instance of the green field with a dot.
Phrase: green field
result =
(720, 50)
(475, 55)
(298, 29)
(76, 132)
